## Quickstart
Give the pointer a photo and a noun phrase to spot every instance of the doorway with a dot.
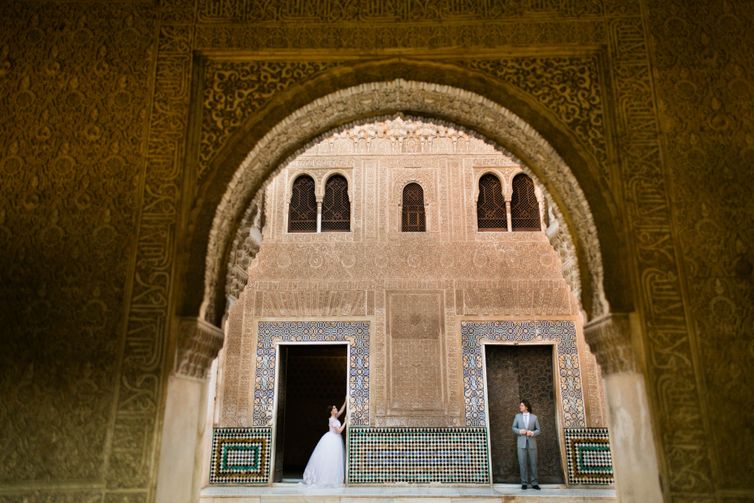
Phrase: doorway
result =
(513, 373)
(311, 377)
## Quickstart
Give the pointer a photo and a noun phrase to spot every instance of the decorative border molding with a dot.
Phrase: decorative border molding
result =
(674, 370)
(399, 12)
(562, 333)
(137, 414)
(271, 332)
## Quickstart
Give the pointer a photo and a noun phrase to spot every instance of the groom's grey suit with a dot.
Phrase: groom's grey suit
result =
(527, 445)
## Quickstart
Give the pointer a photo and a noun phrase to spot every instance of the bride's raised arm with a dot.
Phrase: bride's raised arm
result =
(342, 407)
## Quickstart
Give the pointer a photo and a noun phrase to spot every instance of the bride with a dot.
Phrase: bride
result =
(326, 466)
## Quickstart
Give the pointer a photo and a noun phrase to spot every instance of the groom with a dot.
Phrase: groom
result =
(526, 427)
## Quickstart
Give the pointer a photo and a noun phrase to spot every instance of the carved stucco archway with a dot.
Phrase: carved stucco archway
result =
(586, 239)
(576, 240)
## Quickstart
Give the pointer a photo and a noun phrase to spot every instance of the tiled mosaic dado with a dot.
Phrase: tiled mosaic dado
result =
(561, 333)
(271, 332)
(588, 456)
(418, 455)
(240, 456)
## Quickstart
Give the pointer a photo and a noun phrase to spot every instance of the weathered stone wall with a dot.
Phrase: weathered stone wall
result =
(96, 187)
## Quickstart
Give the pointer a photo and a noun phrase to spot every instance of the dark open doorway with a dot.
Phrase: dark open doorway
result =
(311, 377)
(513, 373)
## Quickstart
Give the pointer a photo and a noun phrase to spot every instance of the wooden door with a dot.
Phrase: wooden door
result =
(515, 373)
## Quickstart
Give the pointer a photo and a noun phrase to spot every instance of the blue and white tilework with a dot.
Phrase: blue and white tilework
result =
(271, 332)
(561, 333)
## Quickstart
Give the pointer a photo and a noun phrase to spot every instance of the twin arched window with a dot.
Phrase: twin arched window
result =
(524, 205)
(302, 212)
(490, 206)
(491, 209)
(413, 218)
(336, 207)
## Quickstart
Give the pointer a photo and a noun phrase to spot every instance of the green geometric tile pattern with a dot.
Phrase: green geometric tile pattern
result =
(417, 455)
(588, 456)
(240, 456)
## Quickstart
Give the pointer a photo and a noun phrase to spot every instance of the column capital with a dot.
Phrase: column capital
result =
(198, 343)
(610, 340)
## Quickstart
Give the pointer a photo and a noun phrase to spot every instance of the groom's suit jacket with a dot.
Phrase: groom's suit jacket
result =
(523, 441)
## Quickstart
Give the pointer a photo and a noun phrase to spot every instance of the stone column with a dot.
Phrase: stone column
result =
(319, 215)
(508, 217)
(613, 339)
(183, 426)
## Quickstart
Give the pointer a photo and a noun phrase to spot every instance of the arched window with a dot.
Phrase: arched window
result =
(302, 212)
(336, 208)
(413, 219)
(490, 206)
(524, 205)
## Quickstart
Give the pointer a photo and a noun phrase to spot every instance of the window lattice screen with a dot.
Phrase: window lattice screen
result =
(302, 212)
(490, 207)
(336, 208)
(524, 205)
(413, 218)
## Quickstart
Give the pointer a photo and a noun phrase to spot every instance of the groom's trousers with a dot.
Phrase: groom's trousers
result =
(531, 476)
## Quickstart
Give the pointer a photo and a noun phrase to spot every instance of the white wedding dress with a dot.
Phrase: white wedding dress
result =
(326, 466)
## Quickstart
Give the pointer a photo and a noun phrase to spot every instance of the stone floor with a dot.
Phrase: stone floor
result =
(499, 493)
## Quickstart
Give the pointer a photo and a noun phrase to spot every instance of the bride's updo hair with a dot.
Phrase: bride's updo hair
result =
(330, 408)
